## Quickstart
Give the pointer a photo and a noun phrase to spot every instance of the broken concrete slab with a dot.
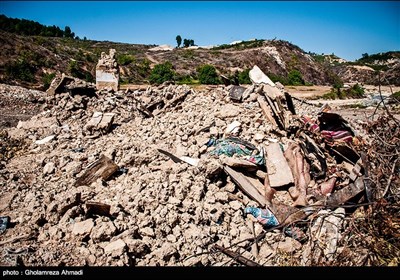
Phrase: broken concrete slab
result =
(272, 91)
(107, 72)
(100, 122)
(228, 111)
(279, 172)
(238, 163)
(83, 228)
(257, 76)
(38, 123)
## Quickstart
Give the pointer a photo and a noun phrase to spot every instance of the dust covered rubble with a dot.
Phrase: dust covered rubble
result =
(162, 213)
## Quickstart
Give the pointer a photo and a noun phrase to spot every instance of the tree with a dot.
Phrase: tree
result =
(295, 78)
(191, 42)
(208, 75)
(186, 43)
(161, 73)
(178, 40)
(365, 55)
(68, 33)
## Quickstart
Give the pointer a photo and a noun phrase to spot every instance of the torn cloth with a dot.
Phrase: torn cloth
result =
(230, 148)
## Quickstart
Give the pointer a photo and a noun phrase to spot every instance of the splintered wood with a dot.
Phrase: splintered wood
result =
(102, 168)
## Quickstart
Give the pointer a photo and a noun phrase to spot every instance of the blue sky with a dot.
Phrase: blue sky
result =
(347, 29)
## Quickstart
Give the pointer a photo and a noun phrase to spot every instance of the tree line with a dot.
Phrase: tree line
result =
(186, 42)
(33, 28)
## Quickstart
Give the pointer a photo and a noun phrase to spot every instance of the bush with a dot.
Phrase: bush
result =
(244, 77)
(208, 75)
(162, 73)
(21, 70)
(278, 78)
(125, 59)
(295, 78)
(355, 91)
(186, 80)
(46, 79)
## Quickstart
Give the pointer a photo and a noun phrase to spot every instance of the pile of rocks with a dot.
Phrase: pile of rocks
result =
(93, 188)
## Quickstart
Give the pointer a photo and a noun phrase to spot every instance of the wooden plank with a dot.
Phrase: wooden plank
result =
(246, 186)
(343, 195)
(276, 114)
(102, 168)
(266, 110)
(98, 208)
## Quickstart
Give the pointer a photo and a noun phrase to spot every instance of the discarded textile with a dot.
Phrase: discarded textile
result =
(338, 131)
(263, 216)
(229, 147)
(4, 223)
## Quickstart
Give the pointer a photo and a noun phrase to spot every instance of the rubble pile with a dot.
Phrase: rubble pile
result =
(175, 176)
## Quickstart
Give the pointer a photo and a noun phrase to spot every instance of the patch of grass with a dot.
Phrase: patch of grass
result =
(46, 79)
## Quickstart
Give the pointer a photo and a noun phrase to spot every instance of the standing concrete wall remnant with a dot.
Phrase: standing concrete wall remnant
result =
(107, 72)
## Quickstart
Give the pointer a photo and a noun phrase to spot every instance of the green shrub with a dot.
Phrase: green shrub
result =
(208, 75)
(161, 73)
(277, 78)
(143, 68)
(244, 77)
(46, 79)
(125, 59)
(295, 78)
(187, 80)
(356, 91)
(20, 70)
(74, 70)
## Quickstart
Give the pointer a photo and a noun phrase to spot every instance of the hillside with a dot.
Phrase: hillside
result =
(32, 61)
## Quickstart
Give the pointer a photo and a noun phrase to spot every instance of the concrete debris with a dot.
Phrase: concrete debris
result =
(45, 140)
(279, 172)
(136, 178)
(83, 228)
(257, 76)
(99, 123)
(70, 84)
(107, 72)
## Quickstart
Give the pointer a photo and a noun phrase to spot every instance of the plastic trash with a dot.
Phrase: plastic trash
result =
(263, 216)
(295, 233)
(4, 223)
